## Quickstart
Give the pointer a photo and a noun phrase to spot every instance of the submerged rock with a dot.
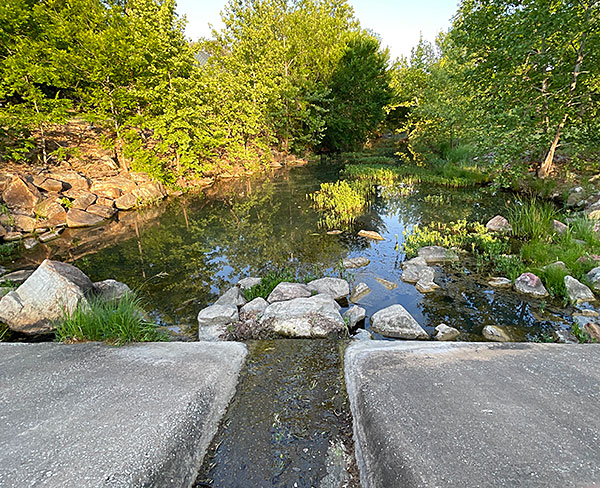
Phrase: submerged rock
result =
(233, 296)
(444, 332)
(359, 262)
(499, 282)
(316, 316)
(437, 255)
(577, 291)
(43, 298)
(498, 224)
(360, 291)
(370, 234)
(395, 321)
(390, 285)
(354, 315)
(288, 291)
(530, 284)
(336, 288)
(496, 334)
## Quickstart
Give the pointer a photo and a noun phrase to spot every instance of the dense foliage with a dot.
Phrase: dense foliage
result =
(280, 75)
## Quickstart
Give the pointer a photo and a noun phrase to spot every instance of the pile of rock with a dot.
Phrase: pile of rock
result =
(588, 202)
(290, 310)
(47, 293)
(419, 270)
(45, 203)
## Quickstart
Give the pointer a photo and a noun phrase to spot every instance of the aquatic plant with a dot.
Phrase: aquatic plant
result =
(532, 219)
(341, 202)
(113, 321)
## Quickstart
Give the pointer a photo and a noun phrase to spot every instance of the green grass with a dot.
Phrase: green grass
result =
(4, 331)
(116, 322)
(532, 219)
(341, 202)
(268, 282)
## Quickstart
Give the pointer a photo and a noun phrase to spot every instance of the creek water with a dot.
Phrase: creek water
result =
(183, 253)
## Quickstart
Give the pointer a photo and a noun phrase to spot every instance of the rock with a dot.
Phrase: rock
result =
(576, 197)
(111, 290)
(316, 316)
(101, 210)
(530, 284)
(49, 184)
(150, 192)
(418, 261)
(255, 308)
(13, 236)
(559, 227)
(426, 286)
(354, 315)
(370, 234)
(113, 187)
(53, 289)
(360, 291)
(577, 291)
(594, 278)
(17, 277)
(498, 224)
(84, 201)
(591, 258)
(437, 255)
(593, 214)
(247, 283)
(126, 202)
(444, 332)
(51, 235)
(288, 291)
(593, 330)
(30, 243)
(3, 231)
(500, 282)
(72, 180)
(362, 335)
(106, 202)
(58, 219)
(413, 273)
(359, 262)
(25, 223)
(213, 320)
(334, 232)
(80, 218)
(233, 296)
(496, 334)
(390, 285)
(336, 288)
(395, 321)
(19, 195)
(563, 336)
(558, 265)
(47, 208)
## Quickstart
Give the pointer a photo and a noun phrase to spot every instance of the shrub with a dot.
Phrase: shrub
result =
(113, 321)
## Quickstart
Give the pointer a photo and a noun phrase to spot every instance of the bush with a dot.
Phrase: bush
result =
(113, 321)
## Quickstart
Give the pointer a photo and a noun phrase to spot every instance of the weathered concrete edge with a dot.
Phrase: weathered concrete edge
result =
(187, 456)
(356, 351)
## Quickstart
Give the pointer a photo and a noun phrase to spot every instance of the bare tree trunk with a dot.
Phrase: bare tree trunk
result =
(546, 167)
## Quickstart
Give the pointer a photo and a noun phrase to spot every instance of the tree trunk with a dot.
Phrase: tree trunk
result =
(546, 166)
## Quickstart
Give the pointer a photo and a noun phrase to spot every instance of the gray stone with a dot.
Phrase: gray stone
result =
(17, 277)
(50, 235)
(465, 415)
(426, 286)
(563, 336)
(498, 224)
(496, 334)
(358, 262)
(594, 278)
(530, 284)
(362, 335)
(576, 197)
(577, 291)
(395, 321)
(437, 255)
(288, 291)
(559, 227)
(213, 320)
(80, 218)
(417, 261)
(111, 290)
(354, 315)
(247, 283)
(558, 265)
(255, 308)
(444, 332)
(336, 288)
(360, 291)
(53, 289)
(316, 316)
(233, 296)
(30, 243)
(412, 273)
(89, 415)
(500, 282)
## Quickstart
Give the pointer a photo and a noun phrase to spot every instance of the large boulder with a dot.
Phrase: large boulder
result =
(233, 296)
(437, 255)
(395, 321)
(498, 224)
(53, 289)
(20, 195)
(288, 291)
(577, 291)
(255, 307)
(594, 278)
(111, 290)
(530, 284)
(213, 320)
(316, 316)
(336, 288)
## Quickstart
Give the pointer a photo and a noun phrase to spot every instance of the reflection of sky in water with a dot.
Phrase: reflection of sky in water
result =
(199, 246)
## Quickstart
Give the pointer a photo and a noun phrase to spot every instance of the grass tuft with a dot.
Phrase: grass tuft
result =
(268, 283)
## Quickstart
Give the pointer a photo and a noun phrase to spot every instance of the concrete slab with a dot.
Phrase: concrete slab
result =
(90, 415)
(475, 414)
